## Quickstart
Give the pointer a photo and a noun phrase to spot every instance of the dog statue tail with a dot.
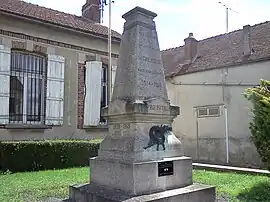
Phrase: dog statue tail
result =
(150, 144)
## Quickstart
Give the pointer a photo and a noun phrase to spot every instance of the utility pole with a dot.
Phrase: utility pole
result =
(227, 15)
(109, 80)
(225, 106)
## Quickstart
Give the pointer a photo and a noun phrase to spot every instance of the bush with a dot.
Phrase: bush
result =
(42, 155)
(260, 124)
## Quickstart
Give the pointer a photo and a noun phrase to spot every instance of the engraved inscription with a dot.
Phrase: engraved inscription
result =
(145, 34)
(150, 45)
(151, 60)
(150, 71)
(148, 34)
(120, 129)
(149, 39)
(156, 84)
(158, 107)
(121, 126)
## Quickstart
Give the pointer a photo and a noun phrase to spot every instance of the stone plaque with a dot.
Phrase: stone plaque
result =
(165, 168)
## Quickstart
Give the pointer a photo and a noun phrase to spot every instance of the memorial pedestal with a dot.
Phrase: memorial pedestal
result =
(140, 159)
(169, 180)
(142, 177)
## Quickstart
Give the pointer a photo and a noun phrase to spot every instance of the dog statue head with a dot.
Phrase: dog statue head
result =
(166, 128)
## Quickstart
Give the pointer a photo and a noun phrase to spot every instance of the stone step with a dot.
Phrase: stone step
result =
(93, 193)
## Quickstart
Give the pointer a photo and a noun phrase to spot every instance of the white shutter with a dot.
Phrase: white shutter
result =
(4, 83)
(55, 90)
(92, 93)
(113, 77)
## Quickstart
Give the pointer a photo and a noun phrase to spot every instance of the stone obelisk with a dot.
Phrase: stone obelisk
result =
(140, 159)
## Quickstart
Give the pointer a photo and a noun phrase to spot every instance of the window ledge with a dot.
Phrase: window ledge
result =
(93, 128)
(24, 126)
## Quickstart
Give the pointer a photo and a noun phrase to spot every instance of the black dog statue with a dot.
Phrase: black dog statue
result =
(157, 136)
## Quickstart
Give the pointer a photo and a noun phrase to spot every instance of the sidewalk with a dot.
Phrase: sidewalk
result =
(230, 169)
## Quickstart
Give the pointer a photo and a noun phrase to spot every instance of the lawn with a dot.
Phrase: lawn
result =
(35, 186)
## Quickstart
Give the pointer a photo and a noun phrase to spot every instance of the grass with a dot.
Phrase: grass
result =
(35, 186)
(237, 187)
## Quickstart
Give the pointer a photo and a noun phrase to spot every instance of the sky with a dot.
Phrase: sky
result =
(177, 18)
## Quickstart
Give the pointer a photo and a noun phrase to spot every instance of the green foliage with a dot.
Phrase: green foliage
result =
(260, 124)
(49, 154)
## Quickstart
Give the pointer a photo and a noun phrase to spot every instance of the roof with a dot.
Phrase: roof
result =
(220, 51)
(54, 17)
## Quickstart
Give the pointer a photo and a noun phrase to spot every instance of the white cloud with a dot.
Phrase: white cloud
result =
(176, 18)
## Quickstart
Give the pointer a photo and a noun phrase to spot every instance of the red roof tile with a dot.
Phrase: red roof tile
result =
(219, 51)
(22, 8)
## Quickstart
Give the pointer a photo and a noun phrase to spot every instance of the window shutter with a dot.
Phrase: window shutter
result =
(113, 77)
(4, 83)
(55, 90)
(93, 93)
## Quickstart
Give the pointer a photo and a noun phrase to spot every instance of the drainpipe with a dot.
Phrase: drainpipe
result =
(225, 106)
(226, 133)
(197, 138)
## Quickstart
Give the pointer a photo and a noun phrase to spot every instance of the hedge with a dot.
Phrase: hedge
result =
(43, 155)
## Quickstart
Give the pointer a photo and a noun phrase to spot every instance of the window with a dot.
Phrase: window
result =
(213, 111)
(208, 111)
(202, 112)
(22, 88)
(26, 102)
(104, 92)
(96, 93)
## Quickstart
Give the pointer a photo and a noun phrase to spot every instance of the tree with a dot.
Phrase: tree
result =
(260, 124)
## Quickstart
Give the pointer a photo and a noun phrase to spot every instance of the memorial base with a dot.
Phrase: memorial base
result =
(136, 178)
(167, 180)
(94, 193)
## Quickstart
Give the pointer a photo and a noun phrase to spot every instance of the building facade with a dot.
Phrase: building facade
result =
(53, 72)
(207, 79)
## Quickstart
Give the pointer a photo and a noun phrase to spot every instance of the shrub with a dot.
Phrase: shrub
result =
(49, 154)
(260, 124)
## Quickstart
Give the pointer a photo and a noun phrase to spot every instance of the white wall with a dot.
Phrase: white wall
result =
(204, 138)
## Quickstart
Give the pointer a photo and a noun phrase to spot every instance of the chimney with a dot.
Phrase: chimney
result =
(190, 47)
(91, 11)
(246, 40)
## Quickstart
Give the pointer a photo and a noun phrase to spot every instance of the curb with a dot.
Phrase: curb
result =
(230, 169)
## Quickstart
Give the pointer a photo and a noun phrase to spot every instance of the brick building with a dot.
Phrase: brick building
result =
(49, 61)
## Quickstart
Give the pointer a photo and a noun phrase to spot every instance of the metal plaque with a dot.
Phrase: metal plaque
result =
(165, 168)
